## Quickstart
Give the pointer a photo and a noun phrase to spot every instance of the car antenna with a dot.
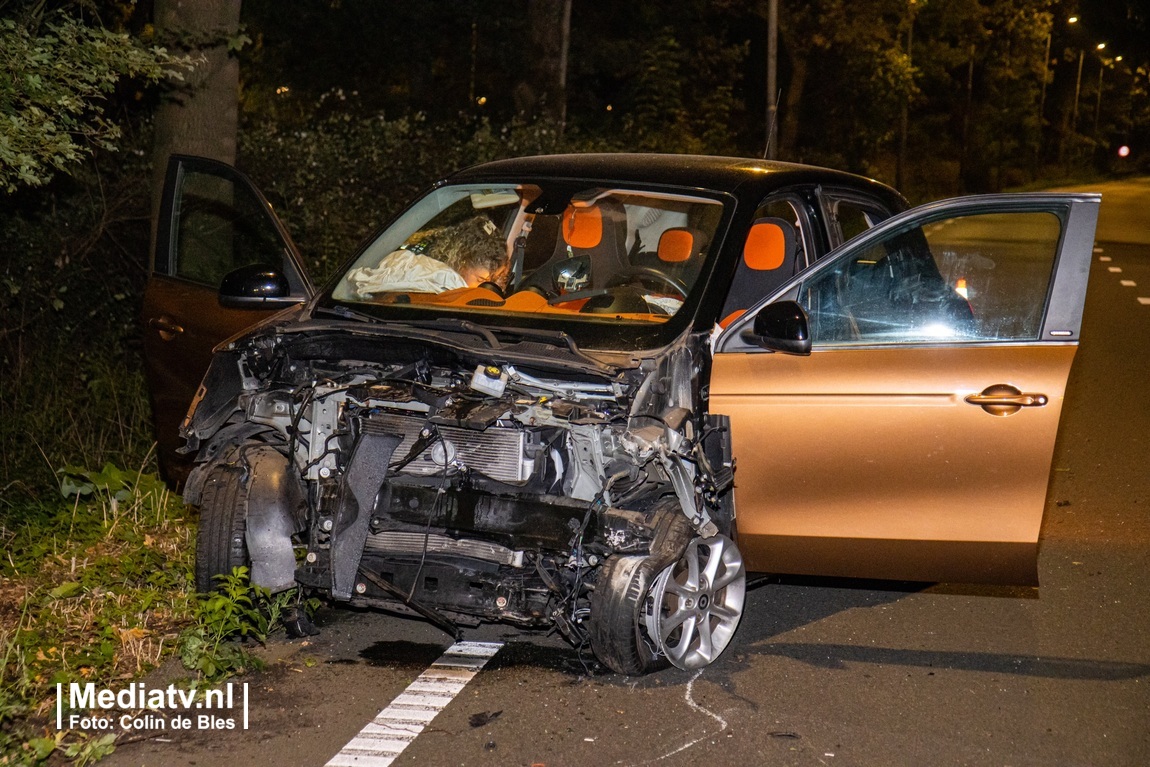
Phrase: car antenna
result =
(771, 127)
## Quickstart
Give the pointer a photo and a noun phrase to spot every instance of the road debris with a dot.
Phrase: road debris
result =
(483, 718)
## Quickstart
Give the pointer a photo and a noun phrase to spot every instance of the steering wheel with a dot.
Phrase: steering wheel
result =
(650, 272)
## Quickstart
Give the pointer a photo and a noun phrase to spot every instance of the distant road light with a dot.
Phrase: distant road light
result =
(481, 100)
(1073, 19)
(1123, 151)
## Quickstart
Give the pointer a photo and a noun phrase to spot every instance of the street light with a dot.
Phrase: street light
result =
(1102, 64)
(1078, 85)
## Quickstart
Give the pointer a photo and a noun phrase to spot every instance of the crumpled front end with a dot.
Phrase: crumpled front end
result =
(458, 484)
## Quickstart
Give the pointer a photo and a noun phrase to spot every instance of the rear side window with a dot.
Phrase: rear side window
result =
(848, 217)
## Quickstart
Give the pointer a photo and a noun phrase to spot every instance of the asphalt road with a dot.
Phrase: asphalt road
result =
(821, 672)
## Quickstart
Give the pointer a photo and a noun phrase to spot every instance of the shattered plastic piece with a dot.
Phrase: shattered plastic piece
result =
(297, 623)
(483, 718)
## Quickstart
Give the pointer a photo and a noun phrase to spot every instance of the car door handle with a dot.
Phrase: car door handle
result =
(1003, 399)
(168, 329)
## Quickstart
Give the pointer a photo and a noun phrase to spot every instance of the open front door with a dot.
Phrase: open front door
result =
(212, 221)
(915, 441)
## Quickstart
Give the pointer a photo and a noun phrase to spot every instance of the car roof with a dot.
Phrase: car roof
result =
(736, 175)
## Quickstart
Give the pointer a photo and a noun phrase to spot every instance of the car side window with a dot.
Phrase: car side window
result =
(982, 277)
(773, 252)
(848, 217)
(218, 226)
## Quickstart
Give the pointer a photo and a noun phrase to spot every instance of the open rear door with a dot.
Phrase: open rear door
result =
(212, 221)
(915, 441)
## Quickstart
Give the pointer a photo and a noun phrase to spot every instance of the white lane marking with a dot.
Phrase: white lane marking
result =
(1114, 269)
(1144, 300)
(385, 737)
(1099, 250)
(1103, 259)
(1129, 283)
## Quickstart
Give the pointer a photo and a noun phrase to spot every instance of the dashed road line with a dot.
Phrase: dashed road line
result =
(1144, 300)
(1104, 259)
(392, 730)
(1128, 283)
(1114, 269)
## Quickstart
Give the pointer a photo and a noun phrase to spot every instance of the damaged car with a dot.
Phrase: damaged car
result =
(592, 393)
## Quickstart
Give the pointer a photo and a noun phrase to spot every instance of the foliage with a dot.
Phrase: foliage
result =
(237, 610)
(341, 177)
(94, 588)
(671, 112)
(56, 73)
(71, 282)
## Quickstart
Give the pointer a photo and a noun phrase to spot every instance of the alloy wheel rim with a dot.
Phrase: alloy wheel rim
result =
(695, 604)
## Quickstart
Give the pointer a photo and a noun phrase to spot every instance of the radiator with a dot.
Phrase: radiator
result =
(495, 452)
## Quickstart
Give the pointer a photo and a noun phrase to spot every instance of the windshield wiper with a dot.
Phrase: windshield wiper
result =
(555, 338)
(454, 324)
(344, 313)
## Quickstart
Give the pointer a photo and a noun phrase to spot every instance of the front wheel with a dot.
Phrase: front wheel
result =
(220, 543)
(618, 636)
(696, 604)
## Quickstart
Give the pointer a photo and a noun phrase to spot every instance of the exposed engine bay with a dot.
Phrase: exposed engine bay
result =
(451, 475)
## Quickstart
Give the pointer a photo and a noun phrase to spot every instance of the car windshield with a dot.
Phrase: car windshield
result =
(537, 252)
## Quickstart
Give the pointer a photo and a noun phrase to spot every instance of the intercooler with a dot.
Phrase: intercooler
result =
(496, 452)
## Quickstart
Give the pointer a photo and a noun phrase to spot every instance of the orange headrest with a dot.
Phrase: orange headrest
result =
(767, 244)
(677, 245)
(582, 227)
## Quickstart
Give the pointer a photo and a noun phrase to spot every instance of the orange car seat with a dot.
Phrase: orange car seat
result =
(769, 259)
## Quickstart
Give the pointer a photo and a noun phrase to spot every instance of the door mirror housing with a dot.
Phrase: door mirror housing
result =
(256, 286)
(781, 327)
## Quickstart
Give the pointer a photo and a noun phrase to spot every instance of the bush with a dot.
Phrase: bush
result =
(340, 178)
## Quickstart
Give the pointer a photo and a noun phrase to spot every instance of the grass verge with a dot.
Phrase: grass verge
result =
(94, 587)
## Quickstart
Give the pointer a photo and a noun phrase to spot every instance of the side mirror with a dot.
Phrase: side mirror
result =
(255, 286)
(781, 327)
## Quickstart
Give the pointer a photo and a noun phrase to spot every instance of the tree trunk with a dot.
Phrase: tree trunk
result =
(544, 93)
(200, 115)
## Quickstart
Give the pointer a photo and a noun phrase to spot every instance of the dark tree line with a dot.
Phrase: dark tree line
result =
(988, 85)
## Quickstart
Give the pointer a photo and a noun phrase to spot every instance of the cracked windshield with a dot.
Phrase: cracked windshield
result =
(593, 253)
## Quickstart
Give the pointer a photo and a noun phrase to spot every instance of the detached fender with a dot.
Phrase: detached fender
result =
(275, 498)
(215, 400)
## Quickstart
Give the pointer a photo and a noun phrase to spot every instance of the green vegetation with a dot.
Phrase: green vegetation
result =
(98, 589)
(56, 73)
(238, 610)
(93, 589)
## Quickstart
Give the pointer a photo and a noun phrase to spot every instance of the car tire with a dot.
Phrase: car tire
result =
(618, 637)
(220, 543)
